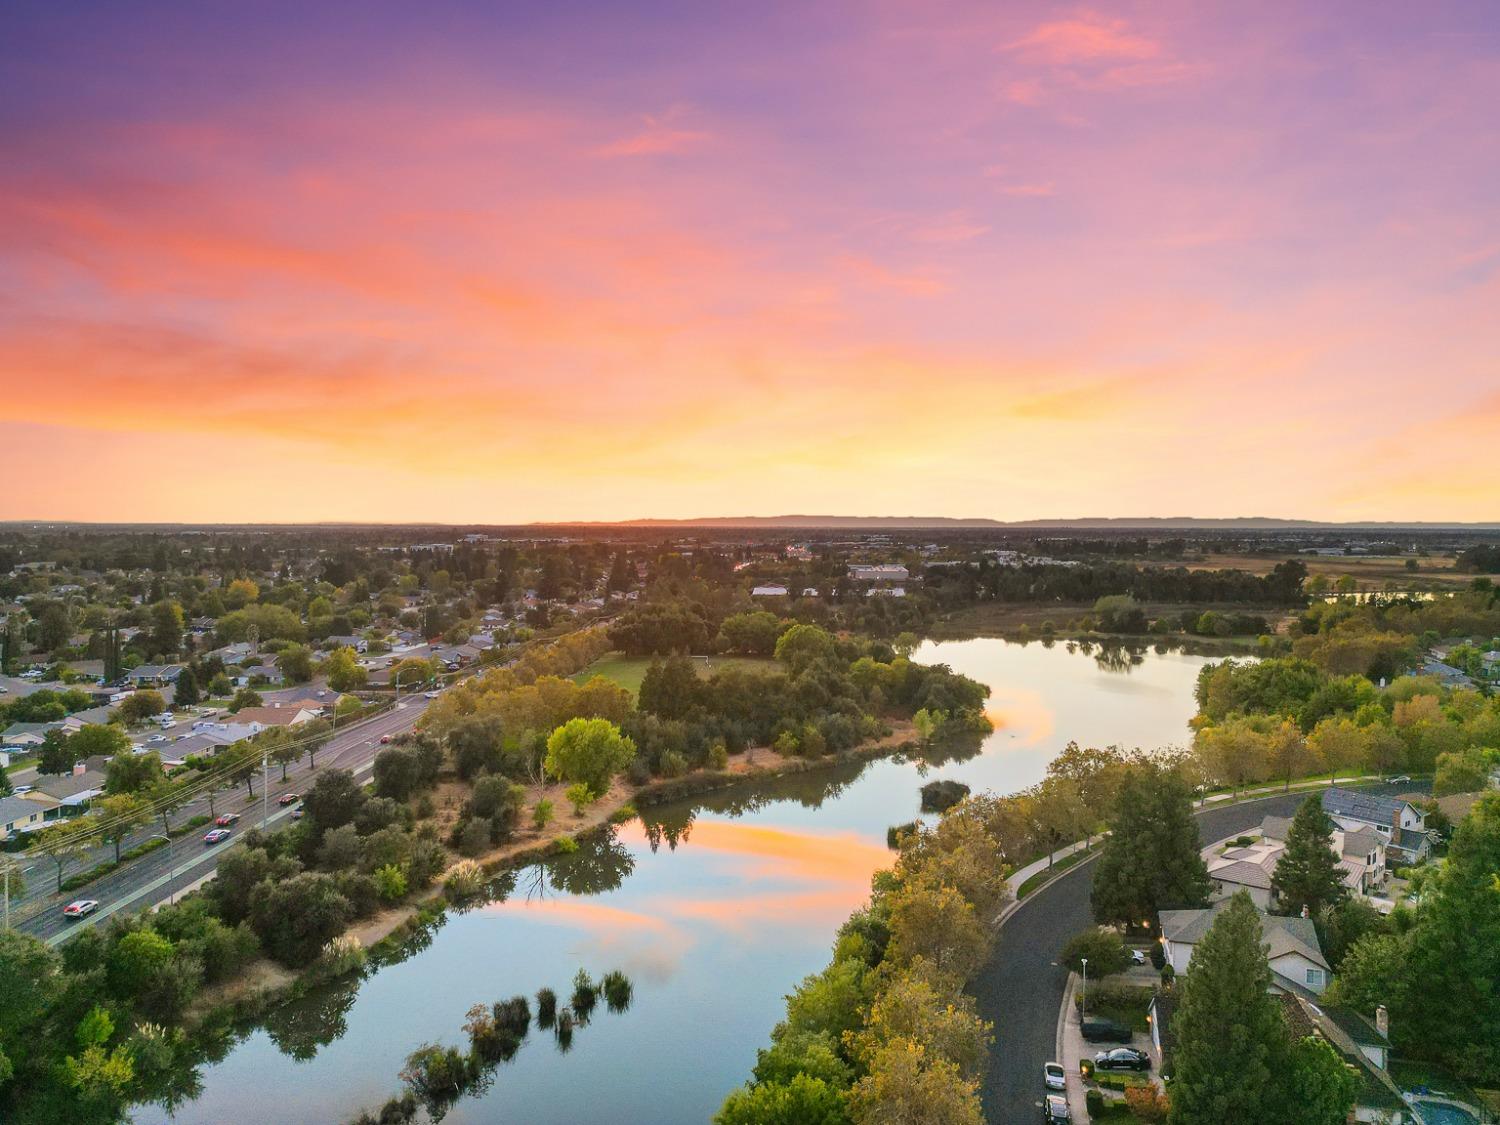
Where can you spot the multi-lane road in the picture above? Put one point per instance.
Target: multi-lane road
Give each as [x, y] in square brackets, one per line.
[1020, 990]
[187, 861]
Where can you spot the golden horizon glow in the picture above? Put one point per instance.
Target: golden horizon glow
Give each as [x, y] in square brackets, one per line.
[1046, 261]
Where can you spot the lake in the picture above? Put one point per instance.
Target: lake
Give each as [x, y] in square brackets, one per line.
[714, 914]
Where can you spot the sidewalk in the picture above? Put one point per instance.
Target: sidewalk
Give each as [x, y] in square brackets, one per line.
[1070, 1051]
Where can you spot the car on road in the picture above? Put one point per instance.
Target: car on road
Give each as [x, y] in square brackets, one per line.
[1399, 779]
[432, 694]
[216, 836]
[158, 738]
[289, 798]
[80, 909]
[1055, 1109]
[385, 739]
[297, 812]
[1053, 1076]
[227, 820]
[1097, 1029]
[1122, 1058]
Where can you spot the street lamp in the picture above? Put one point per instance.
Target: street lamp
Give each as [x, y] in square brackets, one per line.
[172, 878]
[1085, 1006]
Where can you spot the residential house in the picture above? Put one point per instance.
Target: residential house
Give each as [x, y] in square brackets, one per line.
[346, 640]
[17, 815]
[70, 790]
[26, 736]
[89, 717]
[290, 715]
[1364, 1047]
[260, 674]
[154, 675]
[1297, 961]
[1361, 853]
[768, 592]
[234, 653]
[1400, 823]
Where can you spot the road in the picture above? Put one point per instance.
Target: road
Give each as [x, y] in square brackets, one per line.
[1020, 990]
[153, 878]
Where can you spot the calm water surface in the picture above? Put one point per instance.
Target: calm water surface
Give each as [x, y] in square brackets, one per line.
[715, 913]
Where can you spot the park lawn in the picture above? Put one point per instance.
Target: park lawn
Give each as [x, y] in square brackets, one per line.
[629, 671]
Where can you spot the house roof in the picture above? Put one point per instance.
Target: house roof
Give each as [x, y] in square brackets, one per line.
[71, 784]
[1281, 935]
[13, 809]
[1243, 872]
[283, 716]
[154, 672]
[1305, 1018]
[1408, 840]
[1375, 808]
[1275, 827]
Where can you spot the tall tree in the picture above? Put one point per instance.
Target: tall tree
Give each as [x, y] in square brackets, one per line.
[1307, 875]
[1232, 1043]
[1151, 859]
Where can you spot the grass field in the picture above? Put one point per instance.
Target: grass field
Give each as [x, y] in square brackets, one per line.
[1372, 572]
[628, 671]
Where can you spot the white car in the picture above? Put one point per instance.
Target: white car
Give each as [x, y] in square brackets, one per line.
[158, 738]
[80, 909]
[1137, 956]
[1053, 1076]
[432, 694]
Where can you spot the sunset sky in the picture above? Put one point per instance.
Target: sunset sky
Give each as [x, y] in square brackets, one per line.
[490, 262]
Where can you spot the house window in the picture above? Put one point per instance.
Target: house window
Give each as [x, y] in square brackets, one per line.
[1315, 977]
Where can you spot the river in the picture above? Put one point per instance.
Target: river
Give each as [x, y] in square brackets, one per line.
[714, 914]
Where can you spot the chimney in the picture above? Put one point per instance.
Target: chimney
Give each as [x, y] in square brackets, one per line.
[1383, 1021]
[79, 768]
[1396, 819]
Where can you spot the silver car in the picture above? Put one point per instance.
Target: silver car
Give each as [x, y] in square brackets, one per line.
[1053, 1076]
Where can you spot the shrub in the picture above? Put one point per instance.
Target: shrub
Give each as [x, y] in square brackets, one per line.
[623, 814]
[546, 1008]
[342, 955]
[465, 880]
[1147, 1103]
[542, 815]
[617, 990]
[390, 881]
[566, 845]
[585, 994]
[1104, 949]
[940, 796]
[580, 796]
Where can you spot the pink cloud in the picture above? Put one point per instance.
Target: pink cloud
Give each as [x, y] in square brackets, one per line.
[1085, 38]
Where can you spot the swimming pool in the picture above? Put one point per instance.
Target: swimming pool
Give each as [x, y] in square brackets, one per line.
[1444, 1113]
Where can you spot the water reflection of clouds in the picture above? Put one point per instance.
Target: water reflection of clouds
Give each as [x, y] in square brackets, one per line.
[1022, 715]
[798, 880]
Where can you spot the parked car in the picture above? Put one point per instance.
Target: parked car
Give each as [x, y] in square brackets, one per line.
[297, 813]
[1122, 1058]
[1055, 1110]
[1053, 1077]
[80, 909]
[217, 835]
[1097, 1029]
[432, 694]
[1399, 779]
[227, 819]
[289, 798]
[1137, 956]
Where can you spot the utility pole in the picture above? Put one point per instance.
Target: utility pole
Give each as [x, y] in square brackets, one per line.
[265, 781]
[7, 896]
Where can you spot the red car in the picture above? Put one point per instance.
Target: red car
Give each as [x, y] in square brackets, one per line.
[289, 799]
[384, 738]
[227, 819]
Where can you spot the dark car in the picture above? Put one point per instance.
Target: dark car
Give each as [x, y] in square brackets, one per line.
[1122, 1058]
[1055, 1110]
[289, 799]
[1097, 1029]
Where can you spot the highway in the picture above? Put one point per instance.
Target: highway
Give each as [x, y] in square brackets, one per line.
[154, 878]
[1020, 990]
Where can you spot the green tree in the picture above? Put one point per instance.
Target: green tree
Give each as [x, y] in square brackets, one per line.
[412, 672]
[104, 740]
[343, 670]
[1464, 772]
[908, 1083]
[56, 755]
[185, 690]
[245, 697]
[167, 623]
[541, 815]
[590, 751]
[801, 1100]
[670, 689]
[295, 663]
[1151, 859]
[1104, 949]
[139, 706]
[1308, 875]
[62, 841]
[803, 645]
[120, 815]
[137, 961]
[1231, 1039]
[1322, 1088]
[580, 796]
[134, 773]
[295, 918]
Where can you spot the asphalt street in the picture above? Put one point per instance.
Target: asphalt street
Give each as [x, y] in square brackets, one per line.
[1020, 990]
[153, 878]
